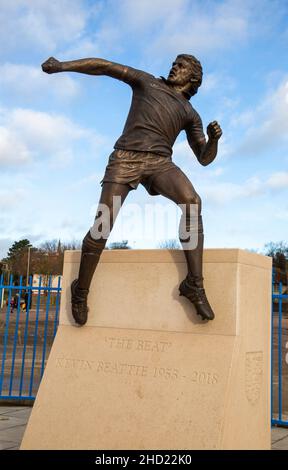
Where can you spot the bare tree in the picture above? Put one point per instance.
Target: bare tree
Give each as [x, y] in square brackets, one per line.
[45, 260]
[169, 244]
[279, 252]
[123, 245]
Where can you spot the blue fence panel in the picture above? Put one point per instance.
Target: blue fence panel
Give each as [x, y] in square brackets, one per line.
[28, 324]
[279, 356]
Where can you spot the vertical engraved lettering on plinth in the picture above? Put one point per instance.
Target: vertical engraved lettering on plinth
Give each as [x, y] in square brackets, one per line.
[253, 375]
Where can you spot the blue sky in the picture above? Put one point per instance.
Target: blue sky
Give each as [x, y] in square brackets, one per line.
[57, 131]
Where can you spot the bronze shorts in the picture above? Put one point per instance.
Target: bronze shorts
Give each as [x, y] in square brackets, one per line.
[132, 167]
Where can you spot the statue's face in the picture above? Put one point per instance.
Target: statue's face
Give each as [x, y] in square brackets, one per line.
[180, 73]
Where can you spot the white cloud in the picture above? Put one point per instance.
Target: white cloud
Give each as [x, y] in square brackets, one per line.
[30, 82]
[159, 26]
[41, 24]
[106, 40]
[200, 26]
[199, 35]
[12, 151]
[206, 179]
[147, 13]
[5, 244]
[50, 130]
[83, 182]
[11, 197]
[216, 172]
[85, 47]
[278, 180]
[222, 193]
[211, 81]
[271, 118]
[26, 135]
[282, 214]
[182, 150]
[244, 119]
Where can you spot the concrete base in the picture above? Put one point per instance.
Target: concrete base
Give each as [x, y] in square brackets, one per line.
[146, 372]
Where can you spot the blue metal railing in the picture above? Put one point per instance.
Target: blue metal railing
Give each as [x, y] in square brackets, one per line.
[279, 360]
[28, 324]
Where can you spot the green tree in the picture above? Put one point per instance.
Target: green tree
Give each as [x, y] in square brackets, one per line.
[17, 258]
[45, 260]
[18, 248]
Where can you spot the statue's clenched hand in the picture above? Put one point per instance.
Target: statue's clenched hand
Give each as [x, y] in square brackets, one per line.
[51, 65]
[214, 131]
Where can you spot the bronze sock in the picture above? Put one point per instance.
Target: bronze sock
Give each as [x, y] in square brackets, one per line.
[90, 255]
[194, 256]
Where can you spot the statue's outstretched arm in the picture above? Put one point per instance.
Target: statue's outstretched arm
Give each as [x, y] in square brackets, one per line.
[91, 66]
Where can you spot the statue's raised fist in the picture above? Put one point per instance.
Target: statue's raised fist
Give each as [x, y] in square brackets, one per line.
[51, 65]
[214, 131]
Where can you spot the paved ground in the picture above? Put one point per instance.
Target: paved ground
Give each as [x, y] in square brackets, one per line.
[13, 420]
[279, 438]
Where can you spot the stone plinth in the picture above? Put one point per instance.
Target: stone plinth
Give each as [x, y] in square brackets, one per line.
[145, 372]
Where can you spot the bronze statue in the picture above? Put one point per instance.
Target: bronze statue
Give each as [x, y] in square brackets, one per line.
[160, 109]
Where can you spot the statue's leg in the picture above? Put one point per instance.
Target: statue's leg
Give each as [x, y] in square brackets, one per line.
[93, 244]
[175, 185]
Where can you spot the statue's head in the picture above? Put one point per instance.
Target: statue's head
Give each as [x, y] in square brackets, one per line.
[186, 72]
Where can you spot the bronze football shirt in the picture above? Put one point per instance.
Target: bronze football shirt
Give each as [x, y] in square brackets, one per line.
[157, 114]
